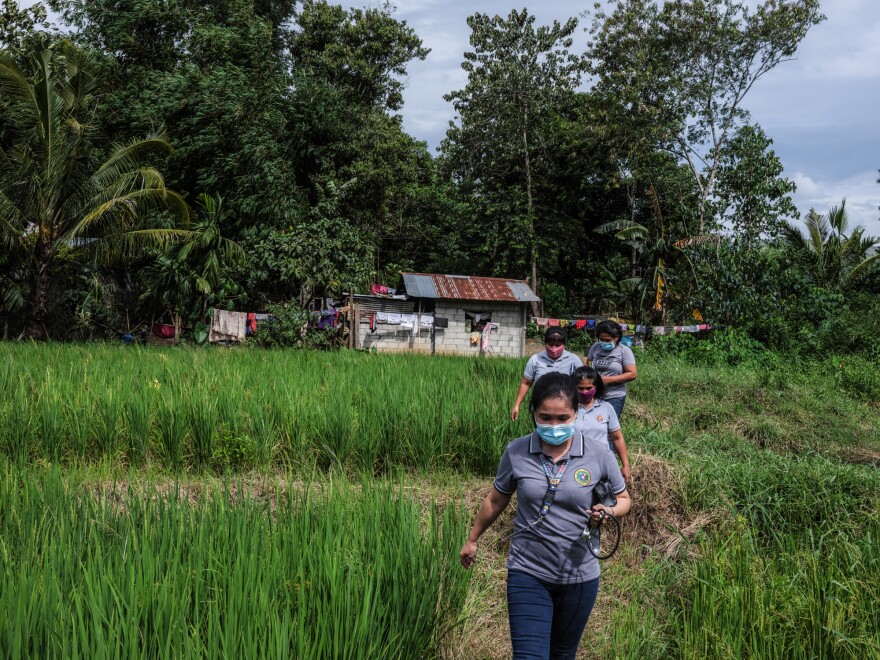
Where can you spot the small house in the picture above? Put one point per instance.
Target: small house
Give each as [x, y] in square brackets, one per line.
[446, 314]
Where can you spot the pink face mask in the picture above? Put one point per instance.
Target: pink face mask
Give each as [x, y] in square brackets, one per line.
[587, 396]
[555, 352]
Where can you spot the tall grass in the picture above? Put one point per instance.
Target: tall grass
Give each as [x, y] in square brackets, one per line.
[788, 452]
[347, 572]
[821, 600]
[217, 409]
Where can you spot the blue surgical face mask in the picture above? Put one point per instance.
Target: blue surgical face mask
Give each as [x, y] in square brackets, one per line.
[606, 345]
[554, 434]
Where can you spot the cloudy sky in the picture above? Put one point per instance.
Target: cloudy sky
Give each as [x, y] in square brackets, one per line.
[821, 110]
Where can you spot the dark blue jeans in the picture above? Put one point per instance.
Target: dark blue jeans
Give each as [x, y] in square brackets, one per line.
[547, 620]
[617, 404]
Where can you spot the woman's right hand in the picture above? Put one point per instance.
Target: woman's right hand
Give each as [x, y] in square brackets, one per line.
[514, 413]
[468, 554]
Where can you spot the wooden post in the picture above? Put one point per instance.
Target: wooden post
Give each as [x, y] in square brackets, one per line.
[356, 325]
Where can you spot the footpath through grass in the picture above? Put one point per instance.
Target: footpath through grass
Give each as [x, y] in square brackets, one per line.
[755, 530]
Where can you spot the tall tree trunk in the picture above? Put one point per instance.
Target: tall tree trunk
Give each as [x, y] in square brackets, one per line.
[35, 326]
[537, 308]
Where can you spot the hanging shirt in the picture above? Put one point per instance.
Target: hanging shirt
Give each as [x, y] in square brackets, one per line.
[597, 422]
[552, 550]
[540, 364]
[611, 363]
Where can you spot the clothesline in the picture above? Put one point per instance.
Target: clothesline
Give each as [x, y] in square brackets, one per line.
[631, 328]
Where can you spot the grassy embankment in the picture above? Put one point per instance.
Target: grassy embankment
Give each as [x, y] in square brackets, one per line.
[755, 531]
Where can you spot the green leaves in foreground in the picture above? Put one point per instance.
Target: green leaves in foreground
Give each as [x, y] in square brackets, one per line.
[343, 573]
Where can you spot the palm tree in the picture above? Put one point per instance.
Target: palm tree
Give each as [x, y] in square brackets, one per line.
[60, 193]
[838, 257]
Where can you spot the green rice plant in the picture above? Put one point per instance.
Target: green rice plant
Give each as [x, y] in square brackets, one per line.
[138, 418]
[19, 433]
[818, 601]
[108, 420]
[51, 418]
[342, 573]
[78, 408]
[202, 430]
[172, 433]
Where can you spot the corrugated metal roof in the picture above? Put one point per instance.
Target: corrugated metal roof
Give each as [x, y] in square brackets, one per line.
[419, 286]
[464, 287]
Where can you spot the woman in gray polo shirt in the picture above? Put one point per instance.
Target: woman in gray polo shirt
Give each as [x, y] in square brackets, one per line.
[597, 419]
[614, 362]
[552, 579]
[554, 357]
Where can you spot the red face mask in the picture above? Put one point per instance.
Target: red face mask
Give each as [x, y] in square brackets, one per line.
[587, 396]
[555, 352]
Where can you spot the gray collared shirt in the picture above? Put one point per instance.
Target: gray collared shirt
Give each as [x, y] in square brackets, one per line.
[540, 364]
[597, 422]
[611, 363]
[551, 550]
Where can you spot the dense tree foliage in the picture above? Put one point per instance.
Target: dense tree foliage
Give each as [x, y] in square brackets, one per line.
[629, 179]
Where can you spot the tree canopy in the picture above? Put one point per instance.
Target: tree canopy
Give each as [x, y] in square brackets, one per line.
[629, 179]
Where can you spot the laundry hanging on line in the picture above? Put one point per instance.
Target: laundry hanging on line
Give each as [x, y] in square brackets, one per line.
[487, 331]
[227, 326]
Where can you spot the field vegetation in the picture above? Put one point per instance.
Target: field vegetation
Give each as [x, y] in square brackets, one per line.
[167, 495]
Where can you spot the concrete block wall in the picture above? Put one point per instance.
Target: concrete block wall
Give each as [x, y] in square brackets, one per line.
[393, 338]
[508, 339]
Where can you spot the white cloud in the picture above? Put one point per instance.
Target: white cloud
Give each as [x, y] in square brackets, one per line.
[861, 192]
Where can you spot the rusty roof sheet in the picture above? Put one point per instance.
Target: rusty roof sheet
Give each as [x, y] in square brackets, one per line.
[465, 287]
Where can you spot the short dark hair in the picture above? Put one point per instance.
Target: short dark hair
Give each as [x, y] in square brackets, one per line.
[588, 373]
[609, 328]
[554, 385]
[554, 332]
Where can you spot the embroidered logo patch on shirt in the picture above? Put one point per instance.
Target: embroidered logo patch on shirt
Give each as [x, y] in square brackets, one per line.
[582, 476]
[600, 419]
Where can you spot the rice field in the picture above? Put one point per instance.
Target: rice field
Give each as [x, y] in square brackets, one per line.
[240, 410]
[237, 503]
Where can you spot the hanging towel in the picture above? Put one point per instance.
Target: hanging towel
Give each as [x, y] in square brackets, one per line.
[475, 338]
[393, 319]
[373, 322]
[704, 326]
[426, 321]
[379, 290]
[227, 326]
[678, 328]
[487, 330]
[541, 321]
[553, 322]
[659, 330]
[382, 317]
[591, 323]
[563, 323]
[640, 329]
[581, 324]
[407, 321]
